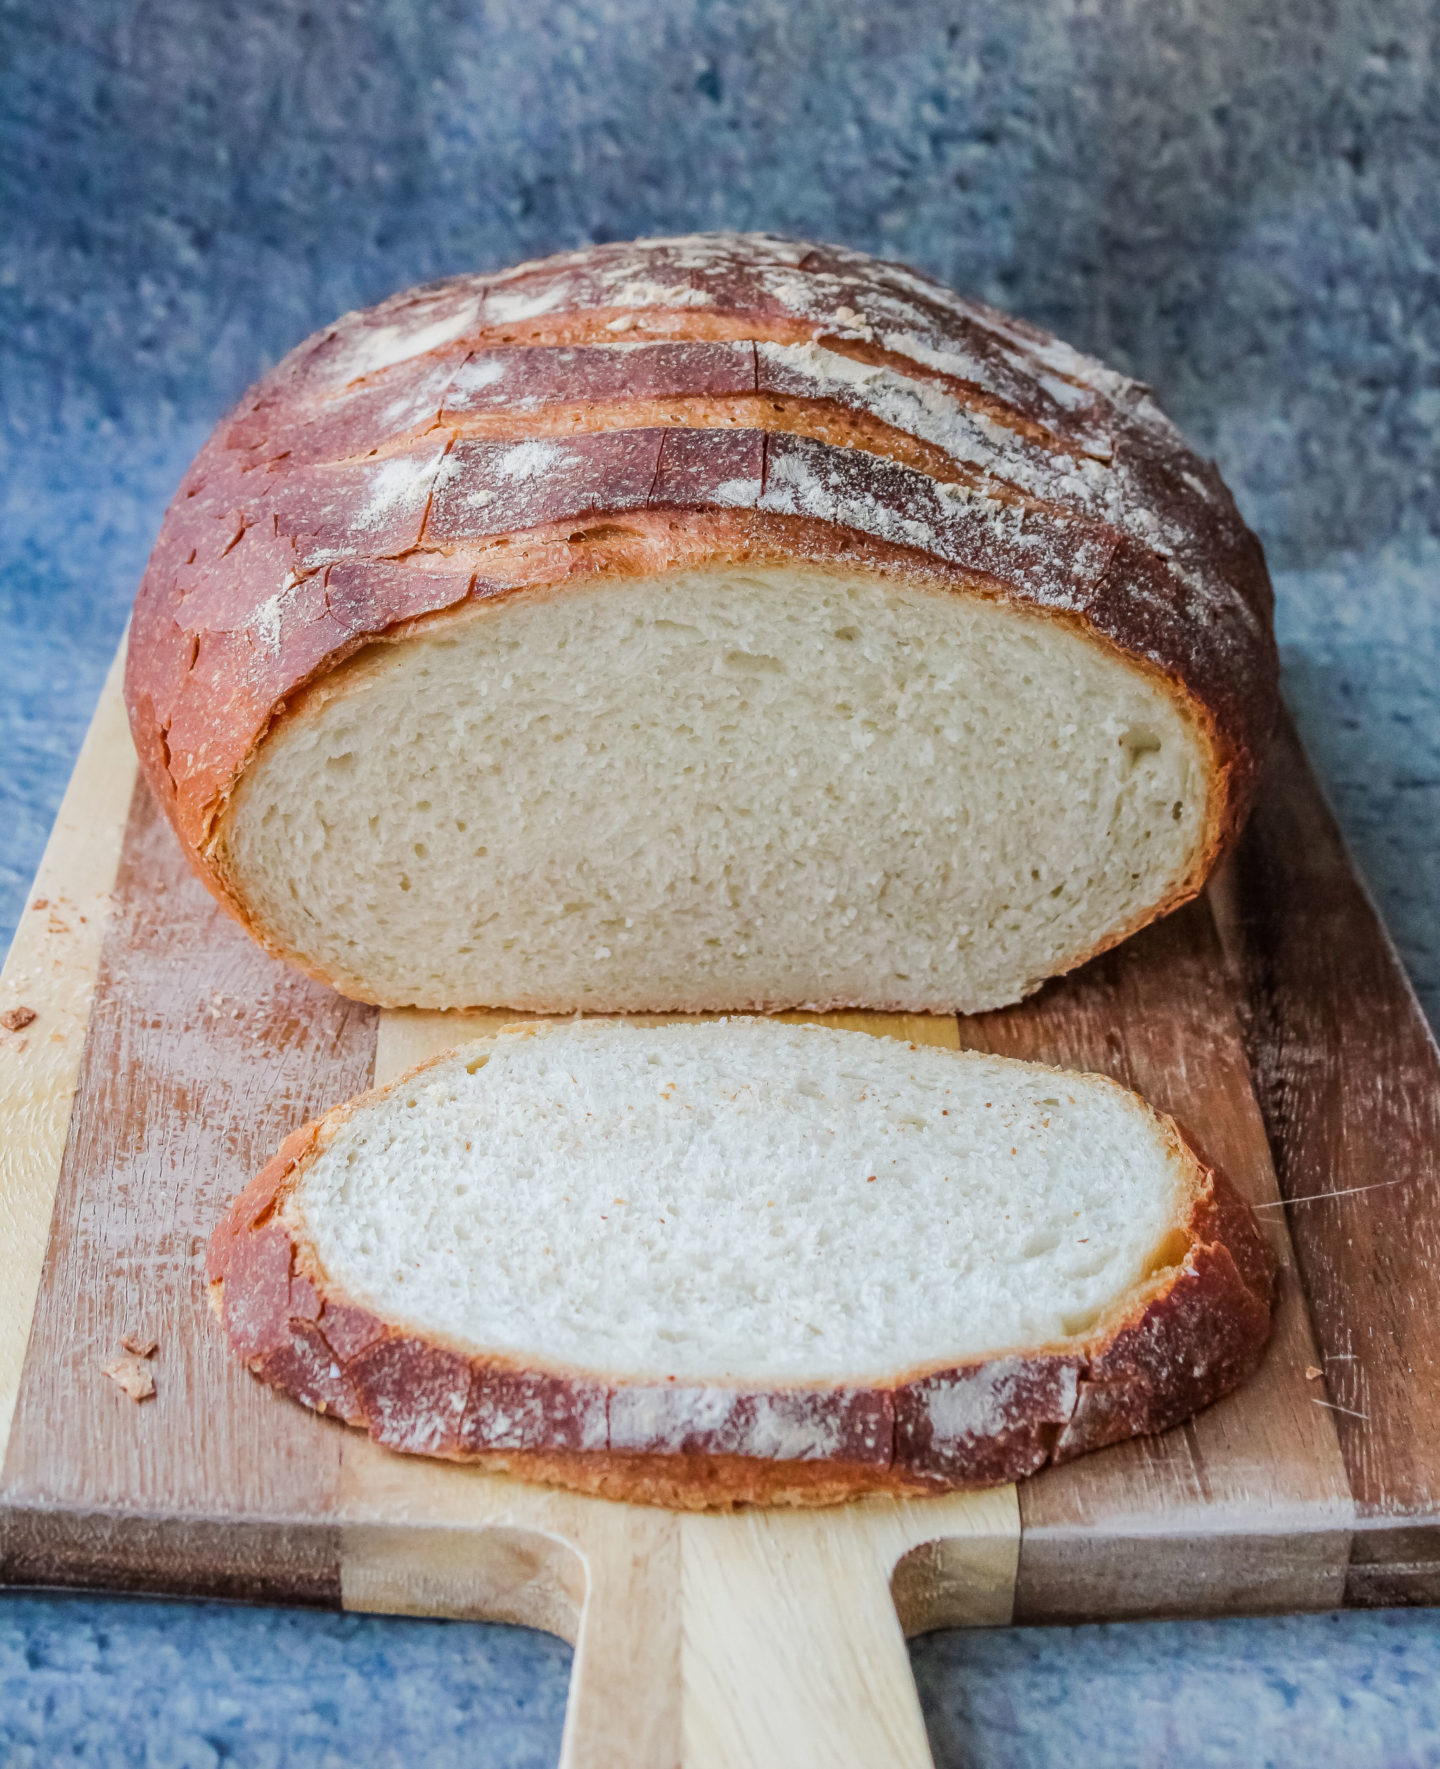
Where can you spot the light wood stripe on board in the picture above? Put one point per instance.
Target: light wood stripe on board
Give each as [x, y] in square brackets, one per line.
[51, 969]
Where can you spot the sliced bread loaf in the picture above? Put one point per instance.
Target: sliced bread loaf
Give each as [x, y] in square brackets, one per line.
[705, 624]
[743, 1261]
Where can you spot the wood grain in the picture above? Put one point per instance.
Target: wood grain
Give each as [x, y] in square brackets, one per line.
[1349, 1080]
[51, 969]
[793, 1624]
[202, 1054]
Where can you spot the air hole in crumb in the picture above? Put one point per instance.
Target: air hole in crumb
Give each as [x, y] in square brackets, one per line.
[753, 663]
[1139, 740]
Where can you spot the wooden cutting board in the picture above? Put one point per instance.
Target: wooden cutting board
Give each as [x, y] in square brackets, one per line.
[169, 1056]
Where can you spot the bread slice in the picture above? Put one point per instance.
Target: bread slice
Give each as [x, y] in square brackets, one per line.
[709, 624]
[743, 1261]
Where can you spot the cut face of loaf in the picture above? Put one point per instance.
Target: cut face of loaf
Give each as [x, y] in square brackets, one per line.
[714, 623]
[739, 789]
[708, 1263]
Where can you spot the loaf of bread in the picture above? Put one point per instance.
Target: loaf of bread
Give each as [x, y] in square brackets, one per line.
[743, 1261]
[709, 623]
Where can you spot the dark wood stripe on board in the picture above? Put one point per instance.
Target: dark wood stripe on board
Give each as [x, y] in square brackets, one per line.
[1349, 1080]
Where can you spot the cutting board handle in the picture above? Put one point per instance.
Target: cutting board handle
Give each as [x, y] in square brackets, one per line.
[758, 1641]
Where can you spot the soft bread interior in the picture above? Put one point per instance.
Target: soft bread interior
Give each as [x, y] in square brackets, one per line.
[724, 789]
[742, 1200]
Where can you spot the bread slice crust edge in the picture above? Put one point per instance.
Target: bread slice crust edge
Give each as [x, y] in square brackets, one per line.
[1188, 1334]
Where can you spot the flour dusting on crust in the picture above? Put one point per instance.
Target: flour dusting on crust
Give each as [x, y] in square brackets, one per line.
[730, 395]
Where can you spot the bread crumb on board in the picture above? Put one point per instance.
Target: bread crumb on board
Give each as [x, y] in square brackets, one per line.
[1313, 1372]
[16, 1019]
[132, 1374]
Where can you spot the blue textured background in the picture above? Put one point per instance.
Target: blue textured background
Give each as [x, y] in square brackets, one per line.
[1237, 200]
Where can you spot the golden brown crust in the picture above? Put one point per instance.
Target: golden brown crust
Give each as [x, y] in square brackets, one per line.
[685, 404]
[703, 1483]
[1194, 1332]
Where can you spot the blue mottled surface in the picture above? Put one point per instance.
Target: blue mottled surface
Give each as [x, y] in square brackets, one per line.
[189, 1686]
[115, 1682]
[1237, 200]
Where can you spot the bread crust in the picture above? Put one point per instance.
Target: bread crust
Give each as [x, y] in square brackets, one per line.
[662, 406]
[1190, 1333]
